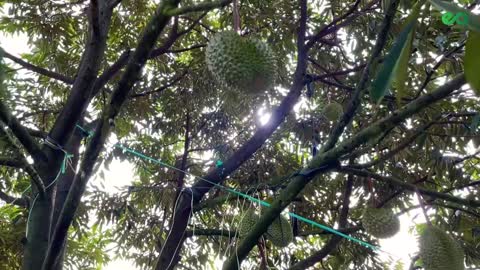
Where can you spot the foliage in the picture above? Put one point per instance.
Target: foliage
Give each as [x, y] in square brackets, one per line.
[176, 113]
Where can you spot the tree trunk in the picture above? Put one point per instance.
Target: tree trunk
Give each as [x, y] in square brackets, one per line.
[63, 186]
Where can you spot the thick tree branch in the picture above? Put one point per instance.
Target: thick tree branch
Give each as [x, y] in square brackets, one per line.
[83, 85]
[171, 248]
[199, 7]
[21, 133]
[335, 239]
[151, 33]
[326, 160]
[421, 130]
[11, 162]
[39, 70]
[12, 200]
[354, 103]
[397, 182]
[36, 180]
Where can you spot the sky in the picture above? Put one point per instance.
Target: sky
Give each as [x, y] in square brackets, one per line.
[401, 247]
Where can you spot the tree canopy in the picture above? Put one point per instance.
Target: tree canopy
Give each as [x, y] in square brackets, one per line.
[374, 105]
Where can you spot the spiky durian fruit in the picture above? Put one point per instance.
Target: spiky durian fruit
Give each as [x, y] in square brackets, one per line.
[380, 222]
[333, 111]
[246, 64]
[247, 222]
[439, 251]
[280, 232]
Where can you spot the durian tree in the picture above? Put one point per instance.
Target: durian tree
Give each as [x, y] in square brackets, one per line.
[347, 113]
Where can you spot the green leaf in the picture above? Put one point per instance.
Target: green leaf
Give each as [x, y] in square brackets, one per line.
[402, 65]
[472, 61]
[473, 22]
[385, 75]
[475, 122]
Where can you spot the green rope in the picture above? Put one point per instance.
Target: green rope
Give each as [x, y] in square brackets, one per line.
[311, 222]
[90, 133]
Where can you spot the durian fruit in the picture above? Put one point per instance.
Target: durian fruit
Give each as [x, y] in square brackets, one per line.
[246, 64]
[247, 221]
[439, 251]
[333, 111]
[380, 222]
[280, 233]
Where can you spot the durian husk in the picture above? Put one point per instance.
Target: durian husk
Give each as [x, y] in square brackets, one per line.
[333, 111]
[247, 221]
[380, 222]
[280, 232]
[244, 64]
[439, 251]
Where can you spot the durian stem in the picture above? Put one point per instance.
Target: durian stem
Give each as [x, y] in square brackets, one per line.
[370, 188]
[236, 17]
[263, 256]
[422, 205]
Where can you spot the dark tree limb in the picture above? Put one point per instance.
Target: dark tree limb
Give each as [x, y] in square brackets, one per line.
[405, 143]
[397, 182]
[11, 162]
[168, 255]
[83, 86]
[151, 33]
[327, 160]
[163, 87]
[199, 7]
[38, 69]
[354, 103]
[40, 218]
[36, 179]
[21, 133]
[110, 72]
[335, 239]
[12, 200]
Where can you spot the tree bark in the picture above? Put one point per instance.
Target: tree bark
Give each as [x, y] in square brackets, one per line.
[42, 211]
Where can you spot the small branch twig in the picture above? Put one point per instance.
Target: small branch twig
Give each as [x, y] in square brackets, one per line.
[38, 69]
[196, 8]
[354, 103]
[11, 200]
[422, 205]
[397, 182]
[36, 179]
[21, 133]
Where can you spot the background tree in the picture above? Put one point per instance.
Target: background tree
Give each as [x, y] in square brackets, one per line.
[133, 72]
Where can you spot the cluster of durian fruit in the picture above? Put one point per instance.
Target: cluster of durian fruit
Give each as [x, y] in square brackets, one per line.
[438, 250]
[248, 65]
[280, 232]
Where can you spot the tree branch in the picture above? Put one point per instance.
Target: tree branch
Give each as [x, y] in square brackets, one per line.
[397, 182]
[21, 133]
[151, 33]
[335, 239]
[36, 180]
[199, 7]
[10, 162]
[38, 69]
[421, 130]
[171, 248]
[12, 200]
[354, 103]
[162, 88]
[110, 72]
[329, 159]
